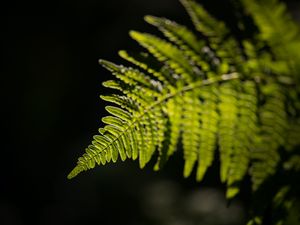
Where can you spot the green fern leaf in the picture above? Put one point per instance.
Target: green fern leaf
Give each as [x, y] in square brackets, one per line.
[209, 92]
[204, 22]
[273, 130]
[191, 130]
[246, 130]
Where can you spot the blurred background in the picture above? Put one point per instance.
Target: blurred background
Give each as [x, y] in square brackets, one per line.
[51, 82]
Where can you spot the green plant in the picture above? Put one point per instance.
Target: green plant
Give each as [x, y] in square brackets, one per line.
[211, 91]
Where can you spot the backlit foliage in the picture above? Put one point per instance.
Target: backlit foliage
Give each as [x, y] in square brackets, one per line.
[210, 91]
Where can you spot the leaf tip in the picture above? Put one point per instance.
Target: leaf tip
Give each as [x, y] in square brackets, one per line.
[74, 173]
[122, 53]
[232, 192]
[151, 19]
[108, 65]
[135, 35]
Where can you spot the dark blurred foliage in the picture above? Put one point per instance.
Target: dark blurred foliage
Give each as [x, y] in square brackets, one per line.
[51, 81]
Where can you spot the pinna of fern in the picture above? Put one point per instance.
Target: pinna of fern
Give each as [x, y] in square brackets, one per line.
[209, 90]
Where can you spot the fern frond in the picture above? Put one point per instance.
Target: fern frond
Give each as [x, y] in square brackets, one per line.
[245, 131]
[272, 134]
[209, 129]
[166, 53]
[279, 31]
[143, 62]
[110, 144]
[204, 22]
[271, 17]
[191, 129]
[226, 48]
[209, 92]
[183, 38]
[174, 109]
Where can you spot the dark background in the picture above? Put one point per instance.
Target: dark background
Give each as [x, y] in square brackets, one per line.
[51, 82]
